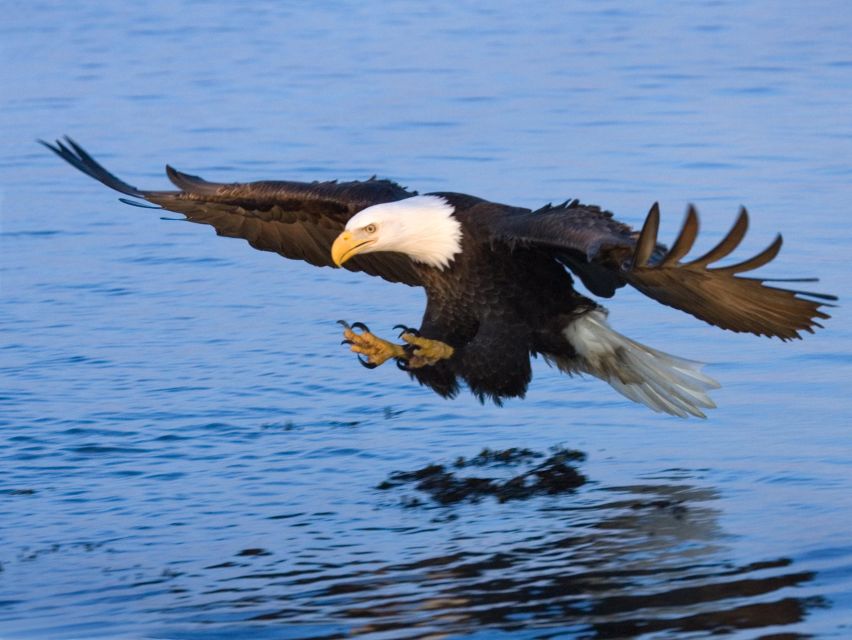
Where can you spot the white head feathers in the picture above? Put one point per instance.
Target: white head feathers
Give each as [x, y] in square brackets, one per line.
[422, 227]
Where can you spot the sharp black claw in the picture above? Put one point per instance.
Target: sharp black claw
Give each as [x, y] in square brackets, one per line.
[405, 330]
[402, 364]
[346, 342]
[366, 364]
[361, 326]
[344, 323]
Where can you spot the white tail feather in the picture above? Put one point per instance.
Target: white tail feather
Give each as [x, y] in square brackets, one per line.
[658, 380]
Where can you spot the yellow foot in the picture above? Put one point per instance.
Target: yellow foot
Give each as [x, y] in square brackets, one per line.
[365, 343]
[425, 352]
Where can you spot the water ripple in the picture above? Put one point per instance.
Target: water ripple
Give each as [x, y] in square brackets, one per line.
[187, 451]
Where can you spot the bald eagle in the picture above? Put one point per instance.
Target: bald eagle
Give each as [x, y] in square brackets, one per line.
[497, 278]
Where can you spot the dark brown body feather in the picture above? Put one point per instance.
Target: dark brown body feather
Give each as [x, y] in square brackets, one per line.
[507, 295]
[495, 305]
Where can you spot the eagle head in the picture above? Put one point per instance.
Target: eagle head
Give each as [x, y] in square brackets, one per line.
[422, 227]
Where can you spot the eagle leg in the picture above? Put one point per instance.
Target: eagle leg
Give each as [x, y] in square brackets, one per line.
[376, 350]
[423, 352]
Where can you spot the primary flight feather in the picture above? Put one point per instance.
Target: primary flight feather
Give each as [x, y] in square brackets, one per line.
[497, 278]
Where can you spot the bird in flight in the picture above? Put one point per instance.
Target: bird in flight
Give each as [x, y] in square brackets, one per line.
[498, 278]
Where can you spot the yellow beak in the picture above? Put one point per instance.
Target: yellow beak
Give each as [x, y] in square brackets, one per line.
[347, 245]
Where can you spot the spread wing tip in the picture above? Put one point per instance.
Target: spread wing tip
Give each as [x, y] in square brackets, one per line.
[718, 295]
[78, 158]
[141, 205]
[647, 241]
[189, 182]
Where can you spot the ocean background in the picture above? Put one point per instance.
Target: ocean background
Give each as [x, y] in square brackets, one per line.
[187, 452]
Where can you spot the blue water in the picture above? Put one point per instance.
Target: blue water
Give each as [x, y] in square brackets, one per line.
[187, 452]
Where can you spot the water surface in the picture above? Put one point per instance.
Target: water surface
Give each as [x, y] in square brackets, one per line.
[187, 451]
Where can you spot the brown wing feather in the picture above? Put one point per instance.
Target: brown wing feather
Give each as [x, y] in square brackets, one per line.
[718, 295]
[297, 220]
[607, 254]
[685, 239]
[648, 237]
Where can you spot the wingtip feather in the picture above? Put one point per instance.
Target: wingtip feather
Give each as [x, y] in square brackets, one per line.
[685, 239]
[718, 296]
[647, 241]
[189, 182]
[78, 158]
[727, 244]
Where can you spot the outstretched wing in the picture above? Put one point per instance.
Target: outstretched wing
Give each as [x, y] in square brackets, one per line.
[298, 220]
[585, 238]
[607, 254]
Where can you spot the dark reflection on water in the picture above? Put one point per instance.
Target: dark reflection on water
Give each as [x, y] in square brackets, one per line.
[644, 560]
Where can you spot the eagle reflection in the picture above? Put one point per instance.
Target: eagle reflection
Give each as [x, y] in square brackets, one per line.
[639, 560]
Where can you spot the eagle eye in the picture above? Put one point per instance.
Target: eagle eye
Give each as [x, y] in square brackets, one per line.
[370, 228]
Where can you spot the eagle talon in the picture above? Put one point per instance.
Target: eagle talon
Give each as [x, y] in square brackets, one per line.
[402, 364]
[367, 364]
[408, 330]
[374, 350]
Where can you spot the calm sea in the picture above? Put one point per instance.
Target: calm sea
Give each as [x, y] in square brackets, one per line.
[187, 452]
